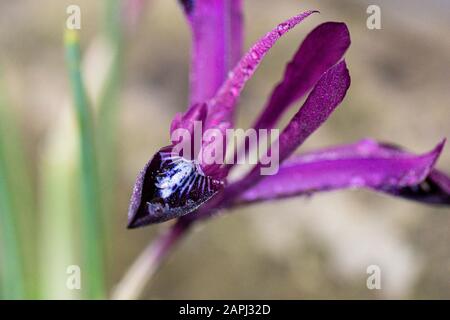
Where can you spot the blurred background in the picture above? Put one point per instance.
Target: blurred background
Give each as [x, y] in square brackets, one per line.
[303, 248]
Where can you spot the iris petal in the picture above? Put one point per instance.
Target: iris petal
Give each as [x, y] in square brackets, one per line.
[169, 187]
[327, 94]
[365, 164]
[223, 104]
[321, 49]
[216, 43]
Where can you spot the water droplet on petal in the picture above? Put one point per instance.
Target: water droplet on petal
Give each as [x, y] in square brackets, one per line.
[282, 28]
[254, 55]
[234, 91]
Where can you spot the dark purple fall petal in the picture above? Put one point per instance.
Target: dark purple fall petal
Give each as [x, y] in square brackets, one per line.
[320, 50]
[435, 189]
[216, 46]
[365, 164]
[168, 187]
[221, 107]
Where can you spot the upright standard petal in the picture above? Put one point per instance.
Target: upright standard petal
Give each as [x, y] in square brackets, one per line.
[365, 164]
[320, 50]
[223, 104]
[217, 43]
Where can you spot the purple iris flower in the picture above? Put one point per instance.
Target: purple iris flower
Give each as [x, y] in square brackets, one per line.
[178, 187]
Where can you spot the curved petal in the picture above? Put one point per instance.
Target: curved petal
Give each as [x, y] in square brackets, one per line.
[223, 104]
[329, 91]
[321, 102]
[365, 164]
[221, 107]
[217, 43]
[321, 49]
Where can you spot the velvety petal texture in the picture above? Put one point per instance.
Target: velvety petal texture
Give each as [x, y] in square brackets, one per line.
[365, 164]
[222, 106]
[328, 93]
[320, 50]
[323, 48]
[216, 43]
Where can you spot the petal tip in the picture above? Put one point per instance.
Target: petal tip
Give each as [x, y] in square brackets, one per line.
[436, 152]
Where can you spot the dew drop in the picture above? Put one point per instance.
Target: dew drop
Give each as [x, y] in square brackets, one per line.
[282, 28]
[234, 91]
[254, 55]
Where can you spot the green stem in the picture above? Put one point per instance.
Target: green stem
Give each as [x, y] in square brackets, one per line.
[11, 278]
[108, 103]
[92, 237]
[59, 204]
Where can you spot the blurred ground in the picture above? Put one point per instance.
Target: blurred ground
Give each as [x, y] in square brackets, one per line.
[300, 248]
